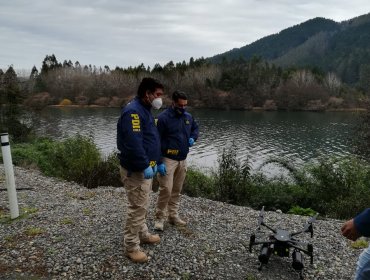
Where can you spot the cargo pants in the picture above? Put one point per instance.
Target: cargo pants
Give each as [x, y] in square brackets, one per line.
[170, 187]
[137, 190]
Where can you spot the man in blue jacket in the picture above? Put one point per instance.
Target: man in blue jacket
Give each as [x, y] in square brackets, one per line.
[139, 151]
[353, 229]
[178, 131]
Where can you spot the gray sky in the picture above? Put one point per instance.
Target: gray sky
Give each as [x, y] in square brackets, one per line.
[123, 33]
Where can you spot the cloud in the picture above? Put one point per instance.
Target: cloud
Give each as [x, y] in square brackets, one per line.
[124, 33]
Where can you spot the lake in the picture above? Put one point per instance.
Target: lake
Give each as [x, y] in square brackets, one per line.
[299, 137]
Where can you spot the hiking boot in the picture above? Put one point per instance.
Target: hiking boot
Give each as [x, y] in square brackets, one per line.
[158, 225]
[151, 239]
[137, 256]
[176, 221]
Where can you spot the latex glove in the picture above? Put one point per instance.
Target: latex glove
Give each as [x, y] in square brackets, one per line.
[191, 142]
[155, 169]
[148, 173]
[162, 169]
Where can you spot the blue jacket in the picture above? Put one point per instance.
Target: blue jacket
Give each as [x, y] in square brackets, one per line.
[362, 223]
[137, 137]
[175, 131]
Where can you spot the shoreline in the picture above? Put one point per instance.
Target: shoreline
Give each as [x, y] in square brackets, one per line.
[70, 232]
[254, 109]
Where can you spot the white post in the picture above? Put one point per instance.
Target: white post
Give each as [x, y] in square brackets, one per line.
[9, 175]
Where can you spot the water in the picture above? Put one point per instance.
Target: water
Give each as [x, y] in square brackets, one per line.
[298, 137]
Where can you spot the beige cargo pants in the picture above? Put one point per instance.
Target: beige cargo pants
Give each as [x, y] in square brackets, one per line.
[170, 187]
[137, 190]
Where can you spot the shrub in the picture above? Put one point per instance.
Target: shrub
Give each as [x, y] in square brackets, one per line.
[339, 187]
[75, 159]
[198, 185]
[65, 102]
[232, 179]
[105, 173]
[302, 211]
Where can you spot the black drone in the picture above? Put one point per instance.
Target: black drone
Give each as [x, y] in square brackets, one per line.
[281, 241]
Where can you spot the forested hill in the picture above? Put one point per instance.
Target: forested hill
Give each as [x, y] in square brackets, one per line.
[343, 48]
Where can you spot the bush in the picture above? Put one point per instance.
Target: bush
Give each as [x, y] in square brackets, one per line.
[338, 187]
[232, 179]
[361, 142]
[65, 102]
[105, 173]
[75, 159]
[302, 211]
[275, 194]
[35, 154]
[198, 185]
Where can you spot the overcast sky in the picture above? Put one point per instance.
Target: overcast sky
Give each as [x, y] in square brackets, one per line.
[123, 33]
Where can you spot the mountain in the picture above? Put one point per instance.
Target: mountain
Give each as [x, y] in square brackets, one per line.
[343, 48]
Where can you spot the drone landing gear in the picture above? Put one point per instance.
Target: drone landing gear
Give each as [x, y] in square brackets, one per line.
[260, 267]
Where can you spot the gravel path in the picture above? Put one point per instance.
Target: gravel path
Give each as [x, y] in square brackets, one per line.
[69, 232]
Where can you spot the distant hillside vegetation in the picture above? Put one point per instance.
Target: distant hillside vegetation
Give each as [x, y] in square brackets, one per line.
[342, 48]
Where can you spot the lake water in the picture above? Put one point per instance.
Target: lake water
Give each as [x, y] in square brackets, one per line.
[299, 137]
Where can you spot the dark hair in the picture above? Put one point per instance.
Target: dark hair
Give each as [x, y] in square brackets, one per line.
[179, 95]
[148, 84]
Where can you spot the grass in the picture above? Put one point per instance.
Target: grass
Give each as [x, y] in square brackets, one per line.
[33, 231]
[360, 244]
[24, 213]
[66, 221]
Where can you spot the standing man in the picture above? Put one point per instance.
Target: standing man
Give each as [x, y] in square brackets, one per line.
[178, 131]
[139, 151]
[353, 229]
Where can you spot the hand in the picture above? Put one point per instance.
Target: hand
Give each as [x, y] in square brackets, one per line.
[154, 170]
[148, 173]
[162, 169]
[191, 142]
[349, 230]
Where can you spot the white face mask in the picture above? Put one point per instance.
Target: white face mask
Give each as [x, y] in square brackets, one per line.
[157, 103]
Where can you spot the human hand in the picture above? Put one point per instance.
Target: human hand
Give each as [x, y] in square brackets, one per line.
[155, 169]
[191, 142]
[148, 173]
[349, 230]
[162, 169]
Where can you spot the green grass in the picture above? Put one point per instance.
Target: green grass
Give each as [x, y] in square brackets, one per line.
[33, 231]
[360, 244]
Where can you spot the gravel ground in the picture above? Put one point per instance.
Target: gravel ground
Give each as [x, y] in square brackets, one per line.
[69, 232]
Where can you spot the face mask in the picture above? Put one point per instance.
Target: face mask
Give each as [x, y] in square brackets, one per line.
[157, 103]
[179, 110]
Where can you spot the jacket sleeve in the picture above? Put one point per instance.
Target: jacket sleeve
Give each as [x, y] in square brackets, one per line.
[194, 130]
[161, 126]
[131, 126]
[362, 223]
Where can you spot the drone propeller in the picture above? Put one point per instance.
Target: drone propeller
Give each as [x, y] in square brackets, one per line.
[308, 227]
[261, 222]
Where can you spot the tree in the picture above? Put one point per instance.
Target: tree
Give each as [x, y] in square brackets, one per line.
[11, 113]
[50, 62]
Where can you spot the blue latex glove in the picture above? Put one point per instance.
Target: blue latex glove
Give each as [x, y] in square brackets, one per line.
[191, 142]
[154, 170]
[162, 169]
[148, 173]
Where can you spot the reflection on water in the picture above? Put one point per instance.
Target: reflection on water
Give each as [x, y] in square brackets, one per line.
[296, 136]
